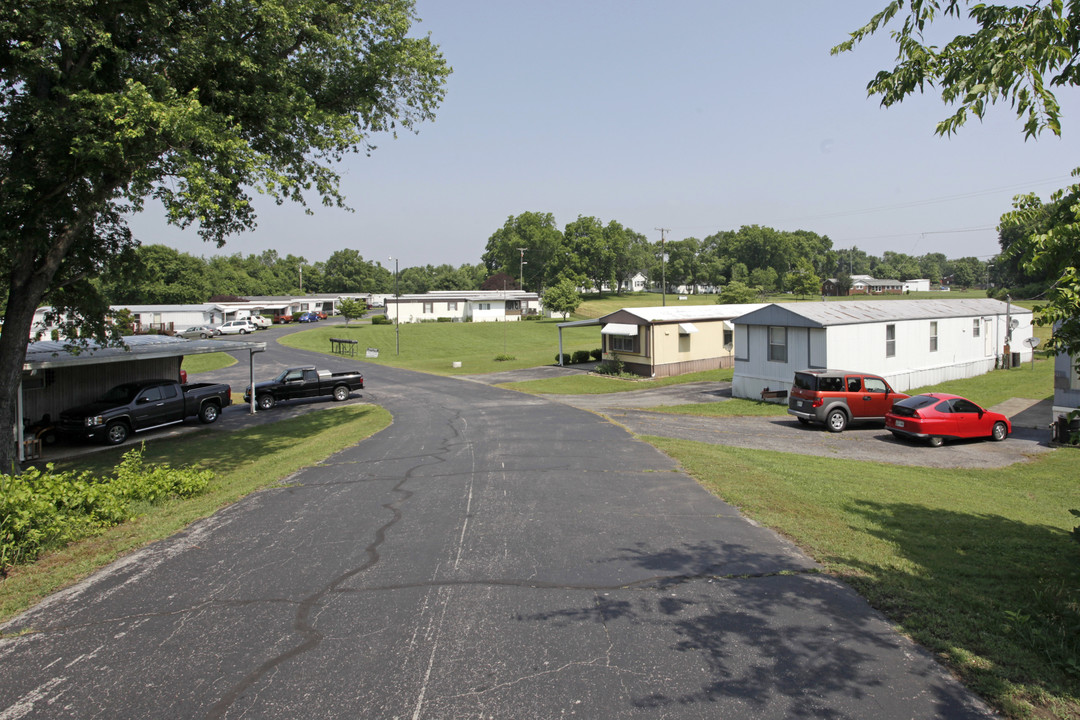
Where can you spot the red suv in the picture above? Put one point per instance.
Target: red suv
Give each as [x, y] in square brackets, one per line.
[837, 397]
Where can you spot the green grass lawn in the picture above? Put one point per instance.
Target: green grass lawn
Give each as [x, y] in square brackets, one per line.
[434, 347]
[206, 362]
[976, 565]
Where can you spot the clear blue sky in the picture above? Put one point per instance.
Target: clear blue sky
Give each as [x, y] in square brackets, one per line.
[697, 116]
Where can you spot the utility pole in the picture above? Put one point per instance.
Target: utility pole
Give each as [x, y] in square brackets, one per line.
[397, 310]
[521, 271]
[663, 264]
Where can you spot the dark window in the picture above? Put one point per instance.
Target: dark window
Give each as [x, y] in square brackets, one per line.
[854, 384]
[831, 384]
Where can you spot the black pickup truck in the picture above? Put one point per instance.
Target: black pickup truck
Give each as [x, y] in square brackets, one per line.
[143, 405]
[304, 382]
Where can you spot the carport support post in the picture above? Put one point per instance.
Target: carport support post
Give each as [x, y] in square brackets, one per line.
[251, 375]
[560, 347]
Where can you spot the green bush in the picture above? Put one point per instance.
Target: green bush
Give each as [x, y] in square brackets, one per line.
[610, 367]
[444, 319]
[563, 359]
[381, 320]
[40, 510]
[504, 358]
[597, 353]
[581, 356]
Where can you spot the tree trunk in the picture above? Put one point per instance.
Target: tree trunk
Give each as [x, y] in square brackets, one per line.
[28, 281]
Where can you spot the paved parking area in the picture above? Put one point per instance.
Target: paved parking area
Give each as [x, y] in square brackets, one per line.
[866, 442]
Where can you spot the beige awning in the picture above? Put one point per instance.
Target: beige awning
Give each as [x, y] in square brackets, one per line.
[687, 328]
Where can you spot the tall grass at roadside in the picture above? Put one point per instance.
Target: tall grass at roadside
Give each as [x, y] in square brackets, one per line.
[976, 565]
[243, 461]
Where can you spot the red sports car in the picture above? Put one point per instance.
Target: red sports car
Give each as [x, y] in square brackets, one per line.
[937, 417]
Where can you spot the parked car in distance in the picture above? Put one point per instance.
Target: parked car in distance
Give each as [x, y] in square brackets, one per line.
[307, 317]
[304, 382]
[143, 405]
[321, 315]
[839, 397]
[937, 417]
[236, 327]
[283, 319]
[198, 331]
[260, 321]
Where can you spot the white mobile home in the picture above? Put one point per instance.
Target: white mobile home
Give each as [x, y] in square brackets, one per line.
[909, 342]
[463, 306]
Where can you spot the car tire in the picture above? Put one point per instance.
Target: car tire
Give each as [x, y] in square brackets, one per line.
[836, 421]
[203, 335]
[341, 393]
[803, 421]
[243, 331]
[1000, 432]
[209, 413]
[265, 402]
[116, 432]
[936, 441]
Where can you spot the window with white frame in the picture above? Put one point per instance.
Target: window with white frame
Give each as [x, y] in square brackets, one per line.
[622, 343]
[975, 328]
[933, 336]
[452, 305]
[429, 307]
[890, 341]
[483, 306]
[777, 344]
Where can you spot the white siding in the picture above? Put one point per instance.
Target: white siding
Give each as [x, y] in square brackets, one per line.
[861, 347]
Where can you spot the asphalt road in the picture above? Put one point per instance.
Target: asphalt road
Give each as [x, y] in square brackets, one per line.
[489, 555]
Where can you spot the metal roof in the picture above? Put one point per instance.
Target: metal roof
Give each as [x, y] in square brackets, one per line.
[684, 313]
[824, 314]
[51, 353]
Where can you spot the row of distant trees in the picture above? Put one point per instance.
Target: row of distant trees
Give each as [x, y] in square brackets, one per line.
[587, 253]
[594, 254]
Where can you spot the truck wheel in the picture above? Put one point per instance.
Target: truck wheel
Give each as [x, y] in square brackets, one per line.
[116, 432]
[341, 393]
[209, 413]
[265, 401]
[836, 421]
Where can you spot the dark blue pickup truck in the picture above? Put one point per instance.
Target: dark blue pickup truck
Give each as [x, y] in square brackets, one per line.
[143, 405]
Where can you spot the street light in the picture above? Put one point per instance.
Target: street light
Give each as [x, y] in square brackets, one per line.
[397, 309]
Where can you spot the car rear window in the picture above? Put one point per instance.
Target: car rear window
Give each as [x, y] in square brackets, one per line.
[916, 402]
[805, 381]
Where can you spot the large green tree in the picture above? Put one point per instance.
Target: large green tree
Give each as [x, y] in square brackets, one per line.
[1012, 54]
[195, 103]
[537, 233]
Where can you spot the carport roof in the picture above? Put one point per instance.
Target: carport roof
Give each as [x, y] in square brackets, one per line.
[52, 354]
[825, 314]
